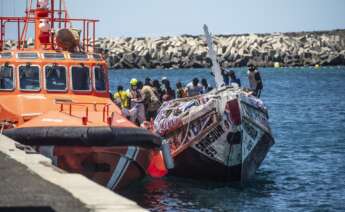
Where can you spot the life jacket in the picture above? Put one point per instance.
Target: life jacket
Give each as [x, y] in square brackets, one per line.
[123, 96]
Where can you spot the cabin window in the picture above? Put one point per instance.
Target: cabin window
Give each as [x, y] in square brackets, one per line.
[100, 79]
[80, 78]
[54, 56]
[6, 55]
[6, 77]
[97, 57]
[55, 78]
[78, 56]
[27, 55]
[29, 77]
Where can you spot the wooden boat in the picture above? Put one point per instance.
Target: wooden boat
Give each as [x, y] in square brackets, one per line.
[223, 135]
[55, 97]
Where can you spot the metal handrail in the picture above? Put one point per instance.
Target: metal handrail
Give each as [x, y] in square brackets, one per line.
[69, 102]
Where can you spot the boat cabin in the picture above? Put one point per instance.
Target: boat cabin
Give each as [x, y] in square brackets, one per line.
[53, 72]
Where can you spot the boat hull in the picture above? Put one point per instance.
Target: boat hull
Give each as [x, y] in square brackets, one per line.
[191, 163]
[113, 167]
[221, 136]
[113, 157]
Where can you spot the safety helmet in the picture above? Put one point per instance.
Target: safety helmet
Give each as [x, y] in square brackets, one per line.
[134, 82]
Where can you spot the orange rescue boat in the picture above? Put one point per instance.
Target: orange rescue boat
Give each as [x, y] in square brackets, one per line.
[55, 97]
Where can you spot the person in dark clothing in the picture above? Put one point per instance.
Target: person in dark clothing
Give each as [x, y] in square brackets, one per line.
[148, 81]
[230, 78]
[234, 79]
[225, 75]
[140, 85]
[255, 81]
[157, 89]
[205, 87]
[194, 88]
[168, 92]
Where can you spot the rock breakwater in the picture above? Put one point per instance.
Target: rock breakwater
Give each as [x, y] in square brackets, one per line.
[187, 51]
[287, 49]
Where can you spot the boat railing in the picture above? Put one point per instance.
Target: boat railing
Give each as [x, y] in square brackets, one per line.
[56, 19]
[105, 109]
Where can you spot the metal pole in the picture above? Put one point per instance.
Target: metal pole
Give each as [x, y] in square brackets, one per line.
[52, 24]
[1, 35]
[18, 25]
[94, 35]
[60, 13]
[83, 34]
[87, 36]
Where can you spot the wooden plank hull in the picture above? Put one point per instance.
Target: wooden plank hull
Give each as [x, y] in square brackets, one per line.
[193, 164]
[222, 136]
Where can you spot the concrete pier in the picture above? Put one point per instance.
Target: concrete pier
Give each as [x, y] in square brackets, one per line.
[29, 182]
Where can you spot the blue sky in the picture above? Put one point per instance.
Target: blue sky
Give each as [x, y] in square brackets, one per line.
[175, 17]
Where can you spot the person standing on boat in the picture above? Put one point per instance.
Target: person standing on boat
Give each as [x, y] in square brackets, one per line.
[180, 91]
[157, 89]
[194, 88]
[255, 81]
[230, 78]
[168, 92]
[137, 109]
[151, 101]
[121, 98]
[205, 87]
[234, 81]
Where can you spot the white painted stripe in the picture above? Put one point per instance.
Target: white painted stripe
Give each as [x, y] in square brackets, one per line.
[130, 158]
[121, 167]
[35, 96]
[31, 114]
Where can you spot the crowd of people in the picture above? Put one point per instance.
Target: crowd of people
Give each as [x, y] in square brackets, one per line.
[142, 100]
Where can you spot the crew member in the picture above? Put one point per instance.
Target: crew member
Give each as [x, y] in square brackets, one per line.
[121, 98]
[137, 109]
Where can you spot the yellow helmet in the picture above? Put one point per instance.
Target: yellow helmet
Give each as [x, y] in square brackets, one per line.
[133, 82]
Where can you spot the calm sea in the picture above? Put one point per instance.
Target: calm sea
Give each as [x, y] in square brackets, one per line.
[305, 169]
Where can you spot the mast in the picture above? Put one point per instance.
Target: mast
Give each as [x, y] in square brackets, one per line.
[212, 54]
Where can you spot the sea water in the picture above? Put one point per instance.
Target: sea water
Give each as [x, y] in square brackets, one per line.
[303, 171]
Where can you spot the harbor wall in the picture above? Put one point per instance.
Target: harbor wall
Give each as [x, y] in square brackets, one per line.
[188, 51]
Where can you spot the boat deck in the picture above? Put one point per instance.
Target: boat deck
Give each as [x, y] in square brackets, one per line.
[29, 182]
